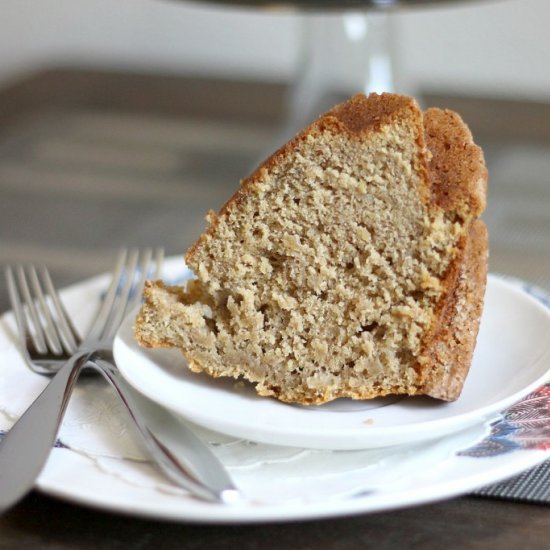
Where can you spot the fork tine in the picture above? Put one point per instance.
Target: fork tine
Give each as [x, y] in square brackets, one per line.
[124, 293]
[119, 307]
[153, 260]
[23, 330]
[101, 319]
[159, 259]
[143, 271]
[37, 336]
[136, 274]
[49, 326]
[69, 336]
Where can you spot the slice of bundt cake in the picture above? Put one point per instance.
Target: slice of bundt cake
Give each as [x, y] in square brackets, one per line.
[351, 263]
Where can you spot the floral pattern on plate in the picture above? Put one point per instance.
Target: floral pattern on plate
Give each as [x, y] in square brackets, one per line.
[525, 425]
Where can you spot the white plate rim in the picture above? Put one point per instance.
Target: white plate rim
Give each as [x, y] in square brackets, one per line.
[190, 510]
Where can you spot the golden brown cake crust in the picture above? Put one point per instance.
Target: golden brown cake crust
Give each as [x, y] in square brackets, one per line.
[450, 344]
[361, 114]
[457, 171]
[458, 181]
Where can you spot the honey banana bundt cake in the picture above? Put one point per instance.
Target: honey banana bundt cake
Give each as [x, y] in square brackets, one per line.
[351, 263]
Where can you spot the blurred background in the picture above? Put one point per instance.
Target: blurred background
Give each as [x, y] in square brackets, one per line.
[490, 47]
[122, 122]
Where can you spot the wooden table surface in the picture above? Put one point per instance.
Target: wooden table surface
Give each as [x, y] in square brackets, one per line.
[91, 161]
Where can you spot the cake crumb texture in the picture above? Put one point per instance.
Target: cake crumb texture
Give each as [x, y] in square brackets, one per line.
[351, 263]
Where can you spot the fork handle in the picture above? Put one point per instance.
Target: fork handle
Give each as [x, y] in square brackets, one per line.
[25, 448]
[179, 453]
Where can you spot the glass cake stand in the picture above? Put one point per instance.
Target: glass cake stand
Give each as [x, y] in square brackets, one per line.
[346, 48]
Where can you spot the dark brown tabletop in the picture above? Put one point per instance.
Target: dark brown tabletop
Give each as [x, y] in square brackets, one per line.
[91, 161]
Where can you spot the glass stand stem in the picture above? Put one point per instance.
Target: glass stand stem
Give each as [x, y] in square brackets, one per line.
[341, 54]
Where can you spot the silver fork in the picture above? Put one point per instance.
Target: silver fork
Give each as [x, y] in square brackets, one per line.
[54, 346]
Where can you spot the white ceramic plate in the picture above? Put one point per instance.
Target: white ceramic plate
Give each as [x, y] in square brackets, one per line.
[512, 357]
[98, 463]
[286, 484]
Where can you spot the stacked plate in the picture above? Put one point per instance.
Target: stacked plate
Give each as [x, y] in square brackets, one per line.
[295, 462]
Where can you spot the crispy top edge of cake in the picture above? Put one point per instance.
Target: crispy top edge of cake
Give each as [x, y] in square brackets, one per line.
[358, 116]
[457, 171]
